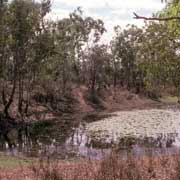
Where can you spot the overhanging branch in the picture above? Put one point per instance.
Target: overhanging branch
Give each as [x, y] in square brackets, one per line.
[156, 18]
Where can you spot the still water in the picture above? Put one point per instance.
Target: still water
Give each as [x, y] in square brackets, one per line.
[66, 139]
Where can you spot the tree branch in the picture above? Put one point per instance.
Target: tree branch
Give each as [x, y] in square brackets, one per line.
[155, 18]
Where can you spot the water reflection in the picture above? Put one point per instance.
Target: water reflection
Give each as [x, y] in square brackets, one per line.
[69, 140]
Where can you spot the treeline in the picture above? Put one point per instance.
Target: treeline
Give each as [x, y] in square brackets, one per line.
[37, 52]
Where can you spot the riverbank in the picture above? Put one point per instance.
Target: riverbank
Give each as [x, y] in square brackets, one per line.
[79, 102]
[86, 111]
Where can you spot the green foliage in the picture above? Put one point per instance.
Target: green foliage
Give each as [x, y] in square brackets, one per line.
[125, 49]
[70, 51]
[158, 54]
[172, 9]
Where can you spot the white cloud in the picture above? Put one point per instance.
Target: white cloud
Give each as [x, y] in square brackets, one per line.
[112, 12]
[156, 4]
[82, 3]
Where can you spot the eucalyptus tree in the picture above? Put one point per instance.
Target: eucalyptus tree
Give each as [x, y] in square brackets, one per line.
[23, 24]
[166, 45]
[158, 56]
[125, 46]
[3, 38]
[116, 59]
[170, 13]
[6, 63]
[72, 36]
[99, 70]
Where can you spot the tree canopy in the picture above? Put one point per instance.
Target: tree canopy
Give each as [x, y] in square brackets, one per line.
[56, 55]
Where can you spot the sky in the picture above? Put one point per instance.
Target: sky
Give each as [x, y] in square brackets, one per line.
[112, 12]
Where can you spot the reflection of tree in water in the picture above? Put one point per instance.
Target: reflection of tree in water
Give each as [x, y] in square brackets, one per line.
[37, 138]
[160, 141]
[67, 137]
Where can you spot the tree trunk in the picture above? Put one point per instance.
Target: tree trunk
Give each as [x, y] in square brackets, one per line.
[10, 101]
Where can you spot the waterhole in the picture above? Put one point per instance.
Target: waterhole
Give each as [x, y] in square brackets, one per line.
[138, 132]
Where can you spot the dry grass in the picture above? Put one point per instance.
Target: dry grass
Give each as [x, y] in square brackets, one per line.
[111, 168]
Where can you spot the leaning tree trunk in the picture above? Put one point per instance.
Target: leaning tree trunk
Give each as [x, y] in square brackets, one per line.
[10, 101]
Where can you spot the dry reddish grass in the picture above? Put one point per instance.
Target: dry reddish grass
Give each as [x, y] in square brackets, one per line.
[111, 168]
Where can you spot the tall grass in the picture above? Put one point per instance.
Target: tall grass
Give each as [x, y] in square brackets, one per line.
[113, 167]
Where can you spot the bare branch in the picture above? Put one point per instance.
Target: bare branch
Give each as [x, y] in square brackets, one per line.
[156, 18]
